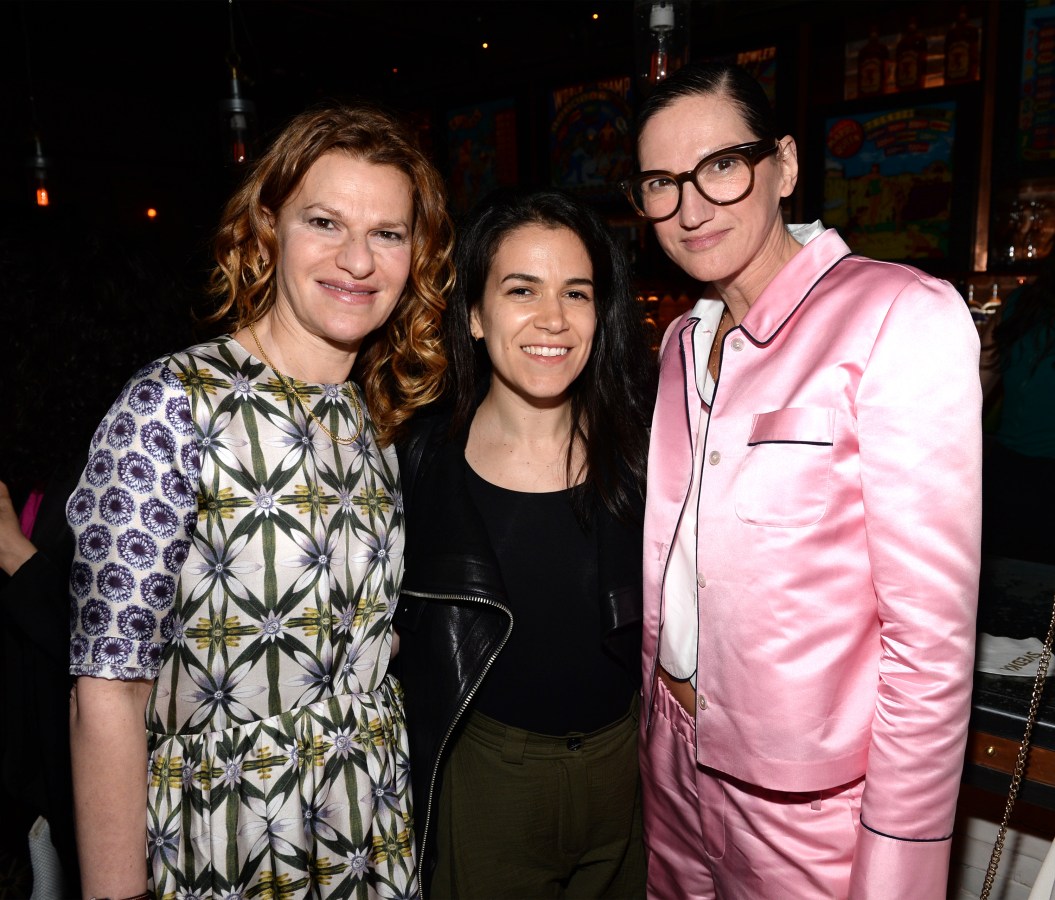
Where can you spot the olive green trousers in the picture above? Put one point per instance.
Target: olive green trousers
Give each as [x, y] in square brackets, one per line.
[527, 816]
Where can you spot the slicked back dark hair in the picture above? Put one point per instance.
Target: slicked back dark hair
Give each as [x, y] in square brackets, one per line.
[611, 399]
[722, 79]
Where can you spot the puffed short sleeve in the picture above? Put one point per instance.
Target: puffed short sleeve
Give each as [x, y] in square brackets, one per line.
[132, 515]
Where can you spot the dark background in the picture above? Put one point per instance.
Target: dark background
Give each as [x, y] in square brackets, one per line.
[125, 95]
[126, 98]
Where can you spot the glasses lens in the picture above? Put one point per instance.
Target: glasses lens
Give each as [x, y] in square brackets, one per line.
[725, 179]
[655, 196]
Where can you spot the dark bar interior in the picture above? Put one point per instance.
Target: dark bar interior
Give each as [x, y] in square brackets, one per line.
[925, 132]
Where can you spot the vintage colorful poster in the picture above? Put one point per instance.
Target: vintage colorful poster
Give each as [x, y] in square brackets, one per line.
[482, 150]
[761, 63]
[590, 142]
[888, 184]
[1037, 99]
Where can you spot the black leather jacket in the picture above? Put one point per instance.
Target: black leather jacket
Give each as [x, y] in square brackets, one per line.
[453, 619]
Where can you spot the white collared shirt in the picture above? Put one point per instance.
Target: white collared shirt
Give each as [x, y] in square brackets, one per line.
[679, 634]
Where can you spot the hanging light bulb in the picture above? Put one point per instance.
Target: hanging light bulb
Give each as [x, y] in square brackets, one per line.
[38, 163]
[661, 24]
[661, 32]
[239, 115]
[238, 111]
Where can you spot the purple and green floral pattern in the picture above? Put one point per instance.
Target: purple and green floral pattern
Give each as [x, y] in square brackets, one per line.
[227, 548]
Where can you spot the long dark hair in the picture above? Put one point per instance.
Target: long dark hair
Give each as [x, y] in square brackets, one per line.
[727, 80]
[611, 398]
[1034, 311]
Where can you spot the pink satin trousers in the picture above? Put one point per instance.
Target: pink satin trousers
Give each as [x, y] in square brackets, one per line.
[711, 837]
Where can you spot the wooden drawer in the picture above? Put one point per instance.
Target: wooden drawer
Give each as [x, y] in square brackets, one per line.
[1000, 754]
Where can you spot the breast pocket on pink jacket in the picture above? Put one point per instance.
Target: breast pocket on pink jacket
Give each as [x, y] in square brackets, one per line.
[784, 478]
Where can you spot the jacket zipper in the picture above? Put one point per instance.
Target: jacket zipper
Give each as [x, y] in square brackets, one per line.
[461, 710]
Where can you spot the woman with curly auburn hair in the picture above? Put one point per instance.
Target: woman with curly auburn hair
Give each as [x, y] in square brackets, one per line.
[240, 533]
[402, 365]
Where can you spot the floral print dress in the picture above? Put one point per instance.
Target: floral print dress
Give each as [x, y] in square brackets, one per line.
[227, 547]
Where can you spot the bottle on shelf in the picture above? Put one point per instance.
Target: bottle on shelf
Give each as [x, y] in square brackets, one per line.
[1010, 250]
[961, 50]
[871, 65]
[911, 57]
[1036, 227]
[978, 312]
[993, 303]
[981, 312]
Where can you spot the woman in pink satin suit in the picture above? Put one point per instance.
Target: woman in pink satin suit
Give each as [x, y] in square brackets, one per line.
[811, 534]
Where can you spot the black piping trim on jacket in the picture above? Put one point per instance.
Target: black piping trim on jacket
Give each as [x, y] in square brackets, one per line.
[690, 326]
[795, 308]
[894, 837]
[650, 688]
[788, 441]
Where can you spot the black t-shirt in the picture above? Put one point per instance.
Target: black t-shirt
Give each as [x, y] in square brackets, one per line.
[553, 676]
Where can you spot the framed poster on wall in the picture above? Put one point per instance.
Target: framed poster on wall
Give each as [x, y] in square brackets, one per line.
[1036, 112]
[482, 151]
[889, 180]
[591, 147]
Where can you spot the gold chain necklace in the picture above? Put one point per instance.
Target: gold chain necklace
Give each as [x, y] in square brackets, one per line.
[345, 441]
[712, 359]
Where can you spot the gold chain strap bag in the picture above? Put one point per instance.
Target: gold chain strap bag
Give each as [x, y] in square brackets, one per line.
[1020, 763]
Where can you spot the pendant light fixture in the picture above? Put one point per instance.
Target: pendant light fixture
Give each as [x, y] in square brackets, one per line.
[237, 111]
[37, 164]
[661, 38]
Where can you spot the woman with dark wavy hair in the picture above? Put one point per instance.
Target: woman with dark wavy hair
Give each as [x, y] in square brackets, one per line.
[520, 618]
[239, 544]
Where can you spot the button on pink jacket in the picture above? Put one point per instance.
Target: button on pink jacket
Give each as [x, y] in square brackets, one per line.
[838, 545]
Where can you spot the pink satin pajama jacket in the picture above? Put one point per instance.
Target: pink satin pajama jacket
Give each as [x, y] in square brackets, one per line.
[838, 547]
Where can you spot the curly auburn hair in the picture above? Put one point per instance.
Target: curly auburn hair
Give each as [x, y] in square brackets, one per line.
[400, 366]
